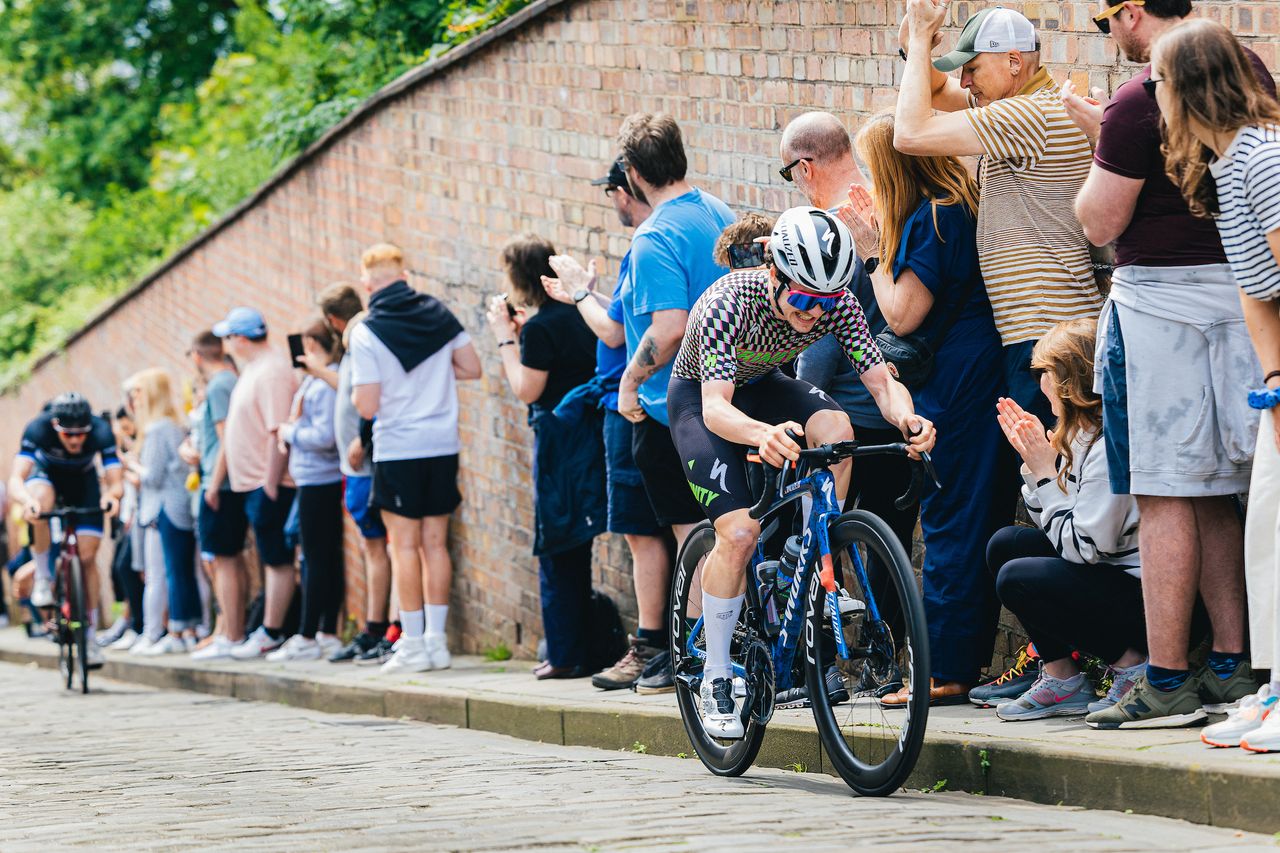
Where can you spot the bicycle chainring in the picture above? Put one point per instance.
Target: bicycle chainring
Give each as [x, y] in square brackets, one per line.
[761, 683]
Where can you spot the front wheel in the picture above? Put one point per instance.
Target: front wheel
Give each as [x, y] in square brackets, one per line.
[79, 624]
[723, 758]
[872, 748]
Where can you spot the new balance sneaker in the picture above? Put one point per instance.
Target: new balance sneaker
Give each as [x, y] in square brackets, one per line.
[411, 656]
[657, 676]
[377, 654]
[1011, 683]
[360, 644]
[42, 591]
[1219, 695]
[296, 648]
[1249, 716]
[1145, 707]
[218, 648]
[256, 645]
[720, 719]
[1121, 683]
[628, 670]
[798, 697]
[438, 652]
[1266, 737]
[125, 641]
[1049, 697]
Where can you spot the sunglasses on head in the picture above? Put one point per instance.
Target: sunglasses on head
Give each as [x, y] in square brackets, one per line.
[1103, 18]
[785, 171]
[802, 301]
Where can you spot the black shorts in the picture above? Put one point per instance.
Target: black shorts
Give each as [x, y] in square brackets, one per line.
[221, 531]
[660, 469]
[74, 488]
[417, 488]
[717, 468]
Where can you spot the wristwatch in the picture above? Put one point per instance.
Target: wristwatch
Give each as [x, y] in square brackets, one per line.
[870, 265]
[580, 294]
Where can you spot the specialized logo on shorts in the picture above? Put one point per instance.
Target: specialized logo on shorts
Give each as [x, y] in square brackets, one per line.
[718, 471]
[819, 392]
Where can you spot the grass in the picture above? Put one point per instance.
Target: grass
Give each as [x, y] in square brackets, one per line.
[498, 653]
[796, 767]
[639, 748]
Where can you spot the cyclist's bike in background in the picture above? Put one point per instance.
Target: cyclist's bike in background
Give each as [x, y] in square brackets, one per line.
[70, 614]
[854, 601]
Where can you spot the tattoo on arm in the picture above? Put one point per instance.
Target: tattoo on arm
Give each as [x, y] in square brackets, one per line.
[644, 363]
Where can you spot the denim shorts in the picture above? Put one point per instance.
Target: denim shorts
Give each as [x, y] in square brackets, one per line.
[356, 494]
[629, 507]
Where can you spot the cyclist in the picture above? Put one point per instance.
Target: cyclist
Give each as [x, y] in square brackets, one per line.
[55, 465]
[727, 394]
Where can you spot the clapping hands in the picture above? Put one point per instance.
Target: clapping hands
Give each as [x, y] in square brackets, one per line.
[1028, 436]
[859, 216]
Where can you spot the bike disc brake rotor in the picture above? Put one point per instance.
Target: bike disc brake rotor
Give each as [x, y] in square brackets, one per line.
[758, 662]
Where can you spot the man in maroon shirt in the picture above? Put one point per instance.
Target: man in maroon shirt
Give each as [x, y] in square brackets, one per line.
[1173, 367]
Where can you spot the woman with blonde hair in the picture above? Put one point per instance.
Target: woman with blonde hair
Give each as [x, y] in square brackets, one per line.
[918, 240]
[1073, 580]
[164, 514]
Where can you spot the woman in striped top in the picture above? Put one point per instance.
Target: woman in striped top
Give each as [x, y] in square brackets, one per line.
[1222, 124]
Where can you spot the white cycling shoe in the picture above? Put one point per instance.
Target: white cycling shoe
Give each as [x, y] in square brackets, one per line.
[720, 717]
[42, 591]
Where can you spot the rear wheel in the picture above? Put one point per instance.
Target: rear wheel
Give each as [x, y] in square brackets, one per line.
[872, 748]
[62, 598]
[79, 624]
[722, 757]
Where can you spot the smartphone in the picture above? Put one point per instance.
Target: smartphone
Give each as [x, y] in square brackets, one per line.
[511, 309]
[295, 349]
[746, 255]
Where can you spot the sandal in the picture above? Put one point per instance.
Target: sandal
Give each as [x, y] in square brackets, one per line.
[948, 693]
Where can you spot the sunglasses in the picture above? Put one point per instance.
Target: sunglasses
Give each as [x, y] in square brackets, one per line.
[1103, 18]
[71, 431]
[802, 301]
[785, 171]
[1149, 86]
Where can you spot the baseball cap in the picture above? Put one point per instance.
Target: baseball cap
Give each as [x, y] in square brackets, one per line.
[246, 322]
[994, 30]
[617, 177]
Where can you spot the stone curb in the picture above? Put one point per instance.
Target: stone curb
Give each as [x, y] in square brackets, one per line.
[1077, 777]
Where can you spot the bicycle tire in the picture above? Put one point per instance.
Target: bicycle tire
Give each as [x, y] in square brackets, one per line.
[79, 622]
[873, 749]
[736, 757]
[62, 625]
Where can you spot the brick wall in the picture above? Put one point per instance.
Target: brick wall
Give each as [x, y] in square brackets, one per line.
[503, 140]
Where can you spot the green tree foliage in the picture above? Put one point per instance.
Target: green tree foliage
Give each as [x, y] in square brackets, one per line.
[140, 122]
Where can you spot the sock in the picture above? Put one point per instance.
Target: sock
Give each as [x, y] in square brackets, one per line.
[720, 618]
[90, 631]
[437, 614]
[377, 630]
[1224, 664]
[44, 564]
[414, 623]
[273, 633]
[653, 637]
[1166, 680]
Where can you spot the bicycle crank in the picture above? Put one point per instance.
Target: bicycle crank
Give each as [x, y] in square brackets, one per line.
[758, 663]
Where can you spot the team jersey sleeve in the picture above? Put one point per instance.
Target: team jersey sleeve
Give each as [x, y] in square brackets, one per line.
[717, 334]
[105, 440]
[849, 325]
[30, 440]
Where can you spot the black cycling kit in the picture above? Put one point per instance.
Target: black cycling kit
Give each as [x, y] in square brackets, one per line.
[74, 476]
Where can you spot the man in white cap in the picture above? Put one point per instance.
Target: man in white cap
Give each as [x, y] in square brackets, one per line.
[1005, 107]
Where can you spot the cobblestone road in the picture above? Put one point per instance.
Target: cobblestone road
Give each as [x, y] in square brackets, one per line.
[132, 767]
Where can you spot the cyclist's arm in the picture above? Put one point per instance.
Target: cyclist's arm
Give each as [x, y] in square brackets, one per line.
[23, 466]
[894, 401]
[114, 478]
[730, 423]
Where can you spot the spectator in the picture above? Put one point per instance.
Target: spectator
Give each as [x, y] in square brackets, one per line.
[407, 356]
[261, 492]
[220, 529]
[313, 464]
[1074, 582]
[1005, 106]
[127, 582]
[343, 310]
[1173, 331]
[1223, 151]
[164, 514]
[547, 349]
[629, 511]
[819, 154]
[917, 239]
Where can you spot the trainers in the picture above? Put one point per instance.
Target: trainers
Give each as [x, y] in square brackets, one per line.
[94, 658]
[1145, 707]
[438, 651]
[628, 670]
[330, 644]
[169, 644]
[125, 641]
[256, 645]
[1219, 694]
[42, 591]
[657, 676]
[798, 697]
[720, 719]
[1010, 684]
[1252, 711]
[1049, 697]
[219, 648]
[412, 656]
[115, 632]
[296, 648]
[1266, 737]
[1121, 683]
[141, 645]
[379, 653]
[359, 644]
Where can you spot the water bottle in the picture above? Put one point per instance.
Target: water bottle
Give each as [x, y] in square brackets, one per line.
[787, 572]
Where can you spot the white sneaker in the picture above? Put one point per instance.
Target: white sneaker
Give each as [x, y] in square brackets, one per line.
[255, 645]
[329, 644]
[1243, 721]
[42, 591]
[141, 645]
[94, 657]
[720, 719]
[1266, 737]
[412, 656]
[189, 644]
[127, 639]
[169, 644]
[296, 648]
[438, 652]
[219, 648]
[115, 632]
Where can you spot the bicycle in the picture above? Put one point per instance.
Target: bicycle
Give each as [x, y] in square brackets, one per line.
[862, 614]
[70, 613]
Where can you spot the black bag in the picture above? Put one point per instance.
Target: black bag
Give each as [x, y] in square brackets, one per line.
[912, 356]
[606, 639]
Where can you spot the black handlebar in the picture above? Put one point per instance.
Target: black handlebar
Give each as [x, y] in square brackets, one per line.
[65, 511]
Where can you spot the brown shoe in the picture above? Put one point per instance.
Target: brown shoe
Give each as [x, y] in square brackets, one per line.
[624, 673]
[948, 693]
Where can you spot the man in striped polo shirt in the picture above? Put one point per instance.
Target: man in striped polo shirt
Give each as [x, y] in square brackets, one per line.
[1006, 108]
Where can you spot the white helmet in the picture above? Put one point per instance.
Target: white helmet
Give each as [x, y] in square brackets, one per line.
[814, 249]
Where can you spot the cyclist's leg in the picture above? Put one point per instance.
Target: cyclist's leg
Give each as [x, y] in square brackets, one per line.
[41, 490]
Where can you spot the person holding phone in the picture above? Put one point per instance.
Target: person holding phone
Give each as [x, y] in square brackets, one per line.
[741, 246]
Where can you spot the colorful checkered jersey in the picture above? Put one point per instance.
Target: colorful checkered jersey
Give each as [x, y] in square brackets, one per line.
[735, 333]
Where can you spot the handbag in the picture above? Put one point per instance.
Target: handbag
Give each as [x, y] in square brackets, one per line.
[913, 356]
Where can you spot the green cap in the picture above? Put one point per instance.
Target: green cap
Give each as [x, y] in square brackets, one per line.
[994, 30]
